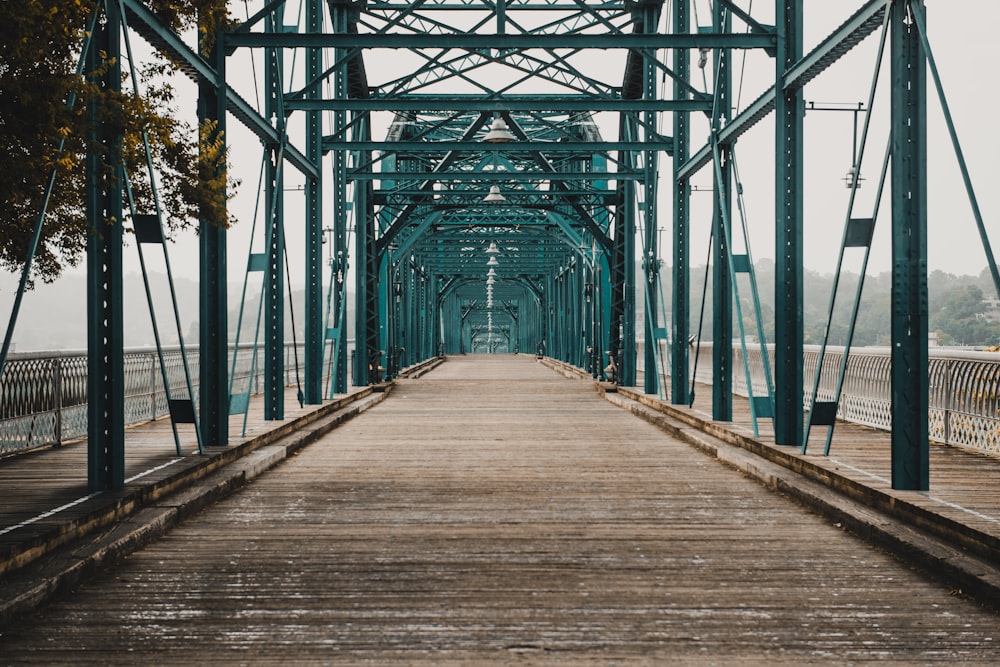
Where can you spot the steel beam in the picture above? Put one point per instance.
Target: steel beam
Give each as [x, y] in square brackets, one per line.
[143, 21]
[646, 17]
[681, 320]
[274, 273]
[213, 328]
[722, 286]
[314, 324]
[909, 330]
[864, 22]
[512, 103]
[508, 42]
[105, 351]
[445, 175]
[788, 280]
[561, 148]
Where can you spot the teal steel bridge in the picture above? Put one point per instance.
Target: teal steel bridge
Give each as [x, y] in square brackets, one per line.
[498, 213]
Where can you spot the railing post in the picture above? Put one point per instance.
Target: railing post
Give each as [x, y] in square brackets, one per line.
[58, 395]
[947, 401]
[152, 386]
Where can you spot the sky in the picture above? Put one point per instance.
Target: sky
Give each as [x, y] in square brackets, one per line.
[961, 42]
[961, 37]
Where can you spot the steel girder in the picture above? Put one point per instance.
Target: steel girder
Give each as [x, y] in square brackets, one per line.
[681, 308]
[105, 358]
[274, 216]
[788, 280]
[910, 382]
[212, 303]
[722, 180]
[569, 280]
[314, 324]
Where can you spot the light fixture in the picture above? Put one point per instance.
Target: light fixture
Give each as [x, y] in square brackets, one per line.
[499, 132]
[853, 179]
[492, 273]
[494, 196]
[493, 250]
[493, 262]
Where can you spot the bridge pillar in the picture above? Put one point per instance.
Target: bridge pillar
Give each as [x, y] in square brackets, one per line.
[722, 303]
[105, 359]
[910, 384]
[274, 274]
[788, 278]
[314, 324]
[213, 352]
[679, 359]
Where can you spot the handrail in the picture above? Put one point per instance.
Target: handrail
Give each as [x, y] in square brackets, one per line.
[43, 395]
[964, 390]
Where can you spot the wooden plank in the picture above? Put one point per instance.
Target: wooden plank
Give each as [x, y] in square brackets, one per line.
[493, 511]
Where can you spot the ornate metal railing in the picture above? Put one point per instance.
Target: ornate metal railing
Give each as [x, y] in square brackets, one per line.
[964, 389]
[43, 396]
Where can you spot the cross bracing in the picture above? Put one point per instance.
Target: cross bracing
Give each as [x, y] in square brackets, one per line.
[548, 236]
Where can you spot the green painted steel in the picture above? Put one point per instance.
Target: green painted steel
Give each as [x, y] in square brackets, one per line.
[647, 19]
[314, 324]
[500, 43]
[274, 198]
[910, 383]
[722, 300]
[213, 392]
[681, 307]
[342, 213]
[527, 243]
[105, 352]
[789, 186]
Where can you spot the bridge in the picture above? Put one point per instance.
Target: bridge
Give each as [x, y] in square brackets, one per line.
[454, 474]
[495, 508]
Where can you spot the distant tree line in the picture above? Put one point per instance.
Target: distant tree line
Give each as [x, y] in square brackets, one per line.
[956, 307]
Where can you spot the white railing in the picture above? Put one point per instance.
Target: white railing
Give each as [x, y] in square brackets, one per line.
[964, 389]
[43, 395]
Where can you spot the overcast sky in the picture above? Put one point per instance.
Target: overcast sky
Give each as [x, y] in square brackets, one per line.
[962, 34]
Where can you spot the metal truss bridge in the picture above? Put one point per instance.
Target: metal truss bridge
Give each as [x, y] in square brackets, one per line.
[492, 177]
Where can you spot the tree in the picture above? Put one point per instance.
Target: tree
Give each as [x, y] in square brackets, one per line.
[44, 127]
[960, 321]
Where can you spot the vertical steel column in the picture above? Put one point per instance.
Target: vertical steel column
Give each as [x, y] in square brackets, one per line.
[274, 275]
[105, 359]
[340, 20]
[367, 319]
[213, 336]
[650, 22]
[314, 325]
[679, 361]
[788, 280]
[910, 384]
[722, 350]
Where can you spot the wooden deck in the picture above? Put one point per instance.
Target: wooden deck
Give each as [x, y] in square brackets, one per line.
[495, 512]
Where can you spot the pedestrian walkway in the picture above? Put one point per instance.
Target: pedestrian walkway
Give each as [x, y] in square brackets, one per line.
[495, 512]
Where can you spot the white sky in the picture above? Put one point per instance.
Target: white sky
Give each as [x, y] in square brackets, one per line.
[961, 38]
[962, 45]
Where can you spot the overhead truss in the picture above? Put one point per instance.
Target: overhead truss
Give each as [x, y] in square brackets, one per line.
[489, 174]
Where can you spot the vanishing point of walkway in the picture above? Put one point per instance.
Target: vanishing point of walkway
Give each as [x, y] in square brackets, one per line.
[495, 512]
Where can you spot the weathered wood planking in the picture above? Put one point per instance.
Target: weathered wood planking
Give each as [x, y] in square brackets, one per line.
[38, 482]
[494, 512]
[964, 484]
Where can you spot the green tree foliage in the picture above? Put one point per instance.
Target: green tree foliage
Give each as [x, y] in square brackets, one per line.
[43, 125]
[956, 307]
